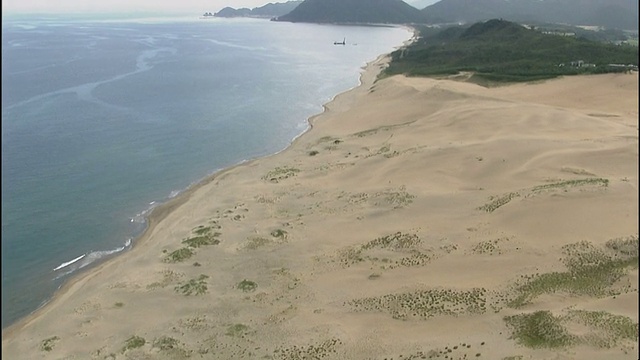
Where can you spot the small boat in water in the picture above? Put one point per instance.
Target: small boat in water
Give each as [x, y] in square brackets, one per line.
[340, 43]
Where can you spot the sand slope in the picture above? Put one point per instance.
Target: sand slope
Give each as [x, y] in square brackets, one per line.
[419, 218]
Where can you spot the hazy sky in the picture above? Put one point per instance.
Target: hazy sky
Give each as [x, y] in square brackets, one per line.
[168, 6]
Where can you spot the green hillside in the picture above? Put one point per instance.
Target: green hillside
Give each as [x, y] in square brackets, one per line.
[612, 14]
[355, 12]
[499, 50]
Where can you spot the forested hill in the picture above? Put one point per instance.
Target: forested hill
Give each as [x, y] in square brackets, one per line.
[270, 10]
[355, 12]
[613, 14]
[500, 50]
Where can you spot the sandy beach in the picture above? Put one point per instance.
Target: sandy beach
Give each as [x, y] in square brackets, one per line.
[417, 219]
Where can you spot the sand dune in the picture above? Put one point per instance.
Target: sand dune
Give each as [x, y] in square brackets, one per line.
[419, 218]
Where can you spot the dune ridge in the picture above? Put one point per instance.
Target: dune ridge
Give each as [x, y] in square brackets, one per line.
[418, 218]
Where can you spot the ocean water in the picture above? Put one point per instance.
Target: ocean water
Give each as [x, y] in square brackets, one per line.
[103, 119]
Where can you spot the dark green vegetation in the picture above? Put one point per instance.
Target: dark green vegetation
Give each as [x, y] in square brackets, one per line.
[424, 304]
[590, 271]
[179, 255]
[133, 342]
[247, 285]
[387, 252]
[496, 202]
[203, 236]
[542, 329]
[165, 343]
[48, 344]
[539, 329]
[196, 286]
[502, 51]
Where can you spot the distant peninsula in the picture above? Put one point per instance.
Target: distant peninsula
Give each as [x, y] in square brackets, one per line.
[611, 14]
[355, 12]
[267, 11]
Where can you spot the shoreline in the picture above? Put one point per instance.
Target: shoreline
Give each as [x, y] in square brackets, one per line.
[161, 211]
[399, 188]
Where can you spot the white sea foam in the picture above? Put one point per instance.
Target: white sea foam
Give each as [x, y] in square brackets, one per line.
[141, 217]
[88, 259]
[65, 264]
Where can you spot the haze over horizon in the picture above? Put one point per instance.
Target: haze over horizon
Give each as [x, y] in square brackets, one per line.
[137, 6]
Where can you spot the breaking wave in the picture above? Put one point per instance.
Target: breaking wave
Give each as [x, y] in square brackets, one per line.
[89, 258]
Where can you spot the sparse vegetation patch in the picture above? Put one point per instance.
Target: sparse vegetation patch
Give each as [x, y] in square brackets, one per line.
[489, 246]
[197, 286]
[247, 285]
[425, 304]
[540, 329]
[572, 183]
[606, 329]
[624, 246]
[600, 329]
[168, 277]
[133, 342]
[204, 236]
[280, 173]
[498, 201]
[256, 242]
[313, 351]
[237, 330]
[165, 343]
[49, 343]
[590, 271]
[279, 233]
[179, 255]
[397, 241]
[278, 236]
[389, 251]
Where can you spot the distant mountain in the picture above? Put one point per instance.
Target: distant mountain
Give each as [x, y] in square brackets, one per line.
[270, 10]
[614, 14]
[355, 11]
[230, 12]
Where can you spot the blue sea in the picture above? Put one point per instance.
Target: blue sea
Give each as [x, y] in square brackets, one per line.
[103, 119]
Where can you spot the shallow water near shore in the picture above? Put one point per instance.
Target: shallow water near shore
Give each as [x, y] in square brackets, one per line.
[104, 119]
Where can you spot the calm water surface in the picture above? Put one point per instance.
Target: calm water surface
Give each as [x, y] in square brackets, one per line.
[103, 119]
